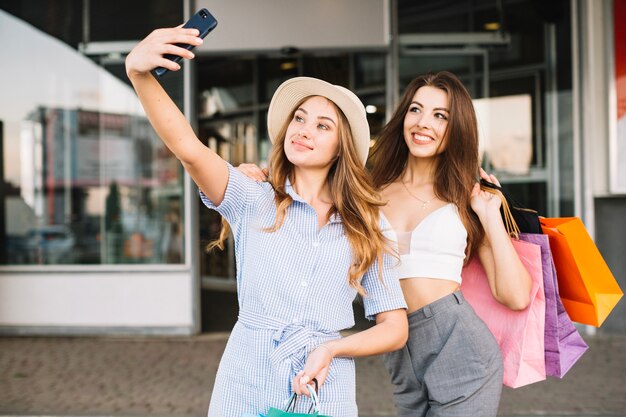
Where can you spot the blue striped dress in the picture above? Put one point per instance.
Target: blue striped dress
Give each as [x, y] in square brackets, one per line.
[293, 294]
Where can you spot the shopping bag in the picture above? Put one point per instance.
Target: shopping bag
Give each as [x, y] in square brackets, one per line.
[289, 411]
[520, 334]
[516, 218]
[563, 344]
[587, 287]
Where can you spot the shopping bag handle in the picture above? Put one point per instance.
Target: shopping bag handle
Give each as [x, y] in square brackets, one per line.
[509, 222]
[315, 402]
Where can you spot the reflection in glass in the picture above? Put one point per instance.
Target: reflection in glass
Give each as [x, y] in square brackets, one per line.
[234, 139]
[225, 86]
[334, 69]
[95, 188]
[469, 68]
[85, 178]
[529, 83]
[505, 132]
[375, 107]
[273, 72]
[370, 71]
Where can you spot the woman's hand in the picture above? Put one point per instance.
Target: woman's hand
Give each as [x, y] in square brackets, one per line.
[508, 279]
[148, 54]
[484, 203]
[254, 172]
[316, 366]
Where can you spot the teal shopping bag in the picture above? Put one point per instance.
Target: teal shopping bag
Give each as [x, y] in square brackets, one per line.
[314, 411]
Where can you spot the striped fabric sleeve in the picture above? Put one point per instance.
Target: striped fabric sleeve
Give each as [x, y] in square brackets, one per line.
[383, 292]
[240, 191]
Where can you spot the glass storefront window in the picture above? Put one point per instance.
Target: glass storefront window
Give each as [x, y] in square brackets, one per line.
[515, 59]
[225, 87]
[370, 71]
[375, 106]
[85, 179]
[274, 71]
[61, 19]
[527, 86]
[468, 67]
[434, 17]
[332, 68]
[370, 77]
[107, 17]
[226, 125]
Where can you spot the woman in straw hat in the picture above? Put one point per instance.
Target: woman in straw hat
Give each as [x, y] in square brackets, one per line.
[306, 242]
[426, 164]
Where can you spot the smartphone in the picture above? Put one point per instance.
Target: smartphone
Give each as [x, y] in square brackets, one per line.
[204, 22]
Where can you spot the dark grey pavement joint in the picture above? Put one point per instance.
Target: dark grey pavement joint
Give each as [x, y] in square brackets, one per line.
[173, 376]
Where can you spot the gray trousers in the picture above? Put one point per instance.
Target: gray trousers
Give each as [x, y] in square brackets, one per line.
[451, 365]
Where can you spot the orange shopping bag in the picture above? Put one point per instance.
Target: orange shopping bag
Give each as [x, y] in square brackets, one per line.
[587, 287]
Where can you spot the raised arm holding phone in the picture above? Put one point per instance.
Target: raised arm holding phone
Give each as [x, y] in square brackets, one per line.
[306, 242]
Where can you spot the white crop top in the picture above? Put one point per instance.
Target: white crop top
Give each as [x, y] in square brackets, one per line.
[435, 248]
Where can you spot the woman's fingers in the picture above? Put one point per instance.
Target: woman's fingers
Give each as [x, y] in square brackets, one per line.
[172, 37]
[254, 172]
[299, 383]
[488, 177]
[176, 31]
[168, 64]
[475, 190]
[149, 53]
[302, 380]
[189, 39]
[177, 50]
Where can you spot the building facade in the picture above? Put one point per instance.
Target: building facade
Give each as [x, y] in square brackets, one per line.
[101, 232]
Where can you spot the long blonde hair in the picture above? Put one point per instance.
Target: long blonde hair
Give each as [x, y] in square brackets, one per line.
[354, 199]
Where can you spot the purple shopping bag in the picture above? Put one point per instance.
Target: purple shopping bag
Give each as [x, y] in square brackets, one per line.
[563, 344]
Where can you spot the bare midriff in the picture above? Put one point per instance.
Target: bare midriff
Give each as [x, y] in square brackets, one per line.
[419, 292]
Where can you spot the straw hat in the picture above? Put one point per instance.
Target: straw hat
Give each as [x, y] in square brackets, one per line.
[292, 91]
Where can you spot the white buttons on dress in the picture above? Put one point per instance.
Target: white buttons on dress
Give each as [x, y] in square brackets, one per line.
[316, 243]
[304, 283]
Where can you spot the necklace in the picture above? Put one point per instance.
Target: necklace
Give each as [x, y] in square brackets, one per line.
[424, 202]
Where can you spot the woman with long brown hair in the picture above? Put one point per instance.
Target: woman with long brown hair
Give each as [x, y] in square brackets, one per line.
[306, 242]
[426, 164]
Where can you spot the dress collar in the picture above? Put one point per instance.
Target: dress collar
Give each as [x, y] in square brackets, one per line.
[334, 218]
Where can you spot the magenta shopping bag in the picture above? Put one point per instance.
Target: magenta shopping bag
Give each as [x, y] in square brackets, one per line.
[520, 334]
[563, 344]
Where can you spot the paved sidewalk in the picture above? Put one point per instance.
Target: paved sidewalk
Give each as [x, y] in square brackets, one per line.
[173, 376]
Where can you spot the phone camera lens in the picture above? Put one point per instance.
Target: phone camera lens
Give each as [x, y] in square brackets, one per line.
[203, 15]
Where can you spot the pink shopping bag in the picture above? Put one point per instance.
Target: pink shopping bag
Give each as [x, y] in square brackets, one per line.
[520, 334]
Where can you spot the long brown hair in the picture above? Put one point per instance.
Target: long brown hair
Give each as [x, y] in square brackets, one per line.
[456, 168]
[354, 199]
